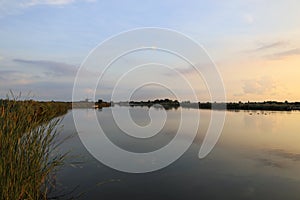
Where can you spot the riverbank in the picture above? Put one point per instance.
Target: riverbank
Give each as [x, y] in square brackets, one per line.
[28, 157]
[266, 105]
[170, 104]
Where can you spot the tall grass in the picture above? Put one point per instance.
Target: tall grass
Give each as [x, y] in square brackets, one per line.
[28, 148]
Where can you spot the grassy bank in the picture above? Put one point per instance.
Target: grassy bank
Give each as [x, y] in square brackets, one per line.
[27, 147]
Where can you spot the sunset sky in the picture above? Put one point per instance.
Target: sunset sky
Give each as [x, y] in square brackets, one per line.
[255, 44]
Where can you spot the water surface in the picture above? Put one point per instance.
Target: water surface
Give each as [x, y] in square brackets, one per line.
[256, 157]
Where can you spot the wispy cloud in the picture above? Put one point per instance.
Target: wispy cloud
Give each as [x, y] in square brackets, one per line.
[11, 7]
[282, 54]
[43, 90]
[54, 68]
[48, 2]
[266, 46]
[184, 71]
[53, 2]
[275, 50]
[37, 84]
[13, 77]
[189, 69]
[47, 79]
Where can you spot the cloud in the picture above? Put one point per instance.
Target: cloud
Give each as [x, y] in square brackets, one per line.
[45, 79]
[13, 75]
[39, 86]
[54, 2]
[263, 88]
[282, 54]
[186, 70]
[267, 48]
[12, 7]
[272, 45]
[189, 69]
[275, 50]
[182, 71]
[49, 2]
[51, 67]
[45, 90]
[263, 85]
[5, 74]
[16, 78]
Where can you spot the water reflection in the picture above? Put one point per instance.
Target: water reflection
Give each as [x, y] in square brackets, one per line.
[257, 157]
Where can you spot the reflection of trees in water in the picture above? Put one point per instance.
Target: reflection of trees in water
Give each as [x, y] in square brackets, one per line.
[259, 121]
[167, 104]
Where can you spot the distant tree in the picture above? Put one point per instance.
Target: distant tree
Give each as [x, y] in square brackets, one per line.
[100, 101]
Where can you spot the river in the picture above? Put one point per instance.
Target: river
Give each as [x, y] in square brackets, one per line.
[256, 157]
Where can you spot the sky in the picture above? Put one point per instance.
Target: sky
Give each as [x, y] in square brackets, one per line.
[255, 45]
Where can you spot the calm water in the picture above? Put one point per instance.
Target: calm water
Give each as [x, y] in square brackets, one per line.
[256, 157]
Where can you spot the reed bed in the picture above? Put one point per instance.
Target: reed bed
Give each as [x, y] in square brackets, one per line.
[28, 148]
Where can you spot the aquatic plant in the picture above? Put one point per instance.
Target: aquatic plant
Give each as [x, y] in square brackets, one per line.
[28, 147]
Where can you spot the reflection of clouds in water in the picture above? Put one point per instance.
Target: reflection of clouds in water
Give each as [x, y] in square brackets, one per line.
[261, 120]
[267, 162]
[284, 154]
[277, 158]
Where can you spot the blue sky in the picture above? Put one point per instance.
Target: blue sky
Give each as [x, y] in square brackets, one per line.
[254, 43]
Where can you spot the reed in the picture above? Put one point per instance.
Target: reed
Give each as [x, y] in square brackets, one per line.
[28, 148]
